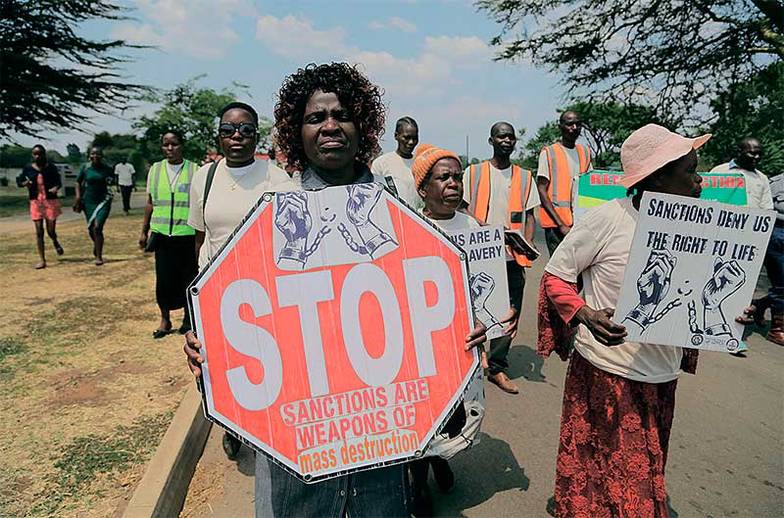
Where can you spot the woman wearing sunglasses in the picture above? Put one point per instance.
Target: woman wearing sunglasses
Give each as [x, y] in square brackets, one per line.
[236, 182]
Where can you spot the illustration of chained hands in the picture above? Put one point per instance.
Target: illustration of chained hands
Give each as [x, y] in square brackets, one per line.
[362, 199]
[728, 277]
[653, 284]
[481, 286]
[294, 221]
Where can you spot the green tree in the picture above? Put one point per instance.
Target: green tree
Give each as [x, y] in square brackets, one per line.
[14, 156]
[103, 140]
[55, 156]
[139, 163]
[605, 126]
[754, 108]
[529, 152]
[193, 111]
[18, 156]
[74, 154]
[119, 147]
[49, 75]
[674, 54]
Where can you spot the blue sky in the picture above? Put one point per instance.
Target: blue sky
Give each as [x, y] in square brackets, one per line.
[431, 57]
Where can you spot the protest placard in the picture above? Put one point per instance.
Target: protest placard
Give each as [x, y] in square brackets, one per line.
[487, 266]
[692, 269]
[597, 187]
[332, 326]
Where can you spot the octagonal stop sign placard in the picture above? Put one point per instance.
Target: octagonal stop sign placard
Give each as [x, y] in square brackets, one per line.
[333, 326]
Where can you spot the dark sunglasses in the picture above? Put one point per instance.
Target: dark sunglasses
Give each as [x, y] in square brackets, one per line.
[227, 129]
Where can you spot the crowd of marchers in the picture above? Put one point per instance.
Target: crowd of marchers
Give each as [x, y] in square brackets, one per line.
[619, 396]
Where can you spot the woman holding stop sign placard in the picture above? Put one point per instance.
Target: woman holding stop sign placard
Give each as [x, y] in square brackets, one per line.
[328, 121]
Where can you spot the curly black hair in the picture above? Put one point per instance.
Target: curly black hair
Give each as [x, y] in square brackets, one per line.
[354, 91]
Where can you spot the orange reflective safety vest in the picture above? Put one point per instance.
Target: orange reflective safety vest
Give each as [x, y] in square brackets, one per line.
[560, 188]
[520, 188]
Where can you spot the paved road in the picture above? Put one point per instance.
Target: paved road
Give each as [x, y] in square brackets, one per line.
[726, 452]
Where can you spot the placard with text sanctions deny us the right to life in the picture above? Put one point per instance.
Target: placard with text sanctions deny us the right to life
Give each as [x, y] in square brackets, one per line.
[692, 269]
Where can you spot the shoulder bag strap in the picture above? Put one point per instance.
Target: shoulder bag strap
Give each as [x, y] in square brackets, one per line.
[391, 185]
[207, 187]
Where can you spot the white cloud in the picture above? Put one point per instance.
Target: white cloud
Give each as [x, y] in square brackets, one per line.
[200, 28]
[394, 22]
[296, 38]
[440, 65]
[445, 85]
[437, 66]
[451, 47]
[401, 24]
[447, 124]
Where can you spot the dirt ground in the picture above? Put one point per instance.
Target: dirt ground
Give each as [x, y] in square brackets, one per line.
[87, 393]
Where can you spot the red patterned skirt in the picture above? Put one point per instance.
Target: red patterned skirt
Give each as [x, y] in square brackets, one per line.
[613, 445]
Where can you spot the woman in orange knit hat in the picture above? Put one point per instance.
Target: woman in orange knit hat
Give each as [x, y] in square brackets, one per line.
[438, 176]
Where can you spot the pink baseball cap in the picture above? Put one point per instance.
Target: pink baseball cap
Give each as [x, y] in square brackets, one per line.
[651, 147]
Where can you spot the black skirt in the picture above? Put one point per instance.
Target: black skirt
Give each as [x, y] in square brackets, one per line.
[176, 266]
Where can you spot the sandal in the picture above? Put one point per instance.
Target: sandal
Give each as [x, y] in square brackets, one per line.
[59, 249]
[41, 265]
[231, 446]
[160, 333]
[99, 262]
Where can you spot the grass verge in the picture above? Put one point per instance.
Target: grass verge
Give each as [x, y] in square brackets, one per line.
[86, 457]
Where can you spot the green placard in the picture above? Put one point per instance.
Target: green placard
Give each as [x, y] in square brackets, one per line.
[724, 187]
[597, 187]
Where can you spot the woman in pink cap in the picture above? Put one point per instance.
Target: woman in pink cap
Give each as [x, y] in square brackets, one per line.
[619, 396]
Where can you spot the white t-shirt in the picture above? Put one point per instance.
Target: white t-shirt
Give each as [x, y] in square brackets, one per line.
[460, 221]
[124, 173]
[598, 247]
[758, 193]
[172, 173]
[234, 191]
[392, 164]
[399, 168]
[274, 169]
[501, 182]
[572, 158]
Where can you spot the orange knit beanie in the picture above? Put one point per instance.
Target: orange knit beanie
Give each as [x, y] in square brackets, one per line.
[425, 158]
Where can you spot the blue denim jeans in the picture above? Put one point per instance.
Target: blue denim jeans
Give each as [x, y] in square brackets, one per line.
[774, 264]
[378, 492]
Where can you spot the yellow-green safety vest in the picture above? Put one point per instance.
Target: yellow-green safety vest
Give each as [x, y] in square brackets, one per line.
[170, 209]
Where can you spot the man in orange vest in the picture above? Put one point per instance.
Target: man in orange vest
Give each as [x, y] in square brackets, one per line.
[559, 164]
[500, 193]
